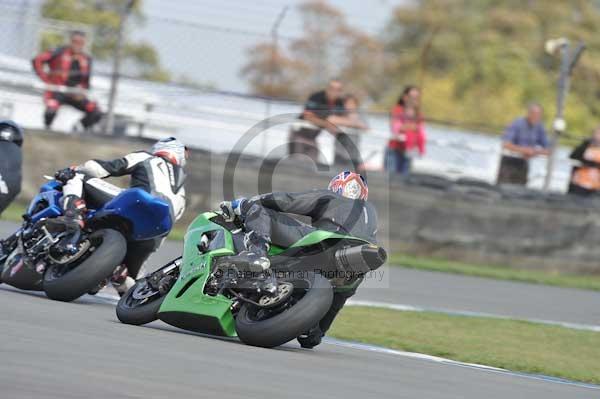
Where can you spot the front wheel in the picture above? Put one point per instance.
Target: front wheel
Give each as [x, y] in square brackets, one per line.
[107, 249]
[268, 328]
[141, 303]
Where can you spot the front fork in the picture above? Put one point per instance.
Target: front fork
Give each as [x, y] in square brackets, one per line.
[163, 278]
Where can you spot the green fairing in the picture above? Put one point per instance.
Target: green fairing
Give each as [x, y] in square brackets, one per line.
[312, 238]
[317, 236]
[187, 295]
[197, 266]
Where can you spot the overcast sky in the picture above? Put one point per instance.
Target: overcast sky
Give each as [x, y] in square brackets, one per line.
[207, 40]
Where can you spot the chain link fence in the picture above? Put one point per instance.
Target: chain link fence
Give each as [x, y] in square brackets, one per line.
[206, 114]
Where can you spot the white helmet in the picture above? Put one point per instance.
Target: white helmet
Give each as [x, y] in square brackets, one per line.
[171, 149]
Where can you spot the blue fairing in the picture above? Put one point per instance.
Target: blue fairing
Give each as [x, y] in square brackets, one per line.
[50, 196]
[148, 216]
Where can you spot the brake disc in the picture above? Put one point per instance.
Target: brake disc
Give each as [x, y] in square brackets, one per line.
[284, 291]
[143, 291]
[83, 248]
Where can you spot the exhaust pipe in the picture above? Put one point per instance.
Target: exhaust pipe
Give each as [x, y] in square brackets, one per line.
[361, 259]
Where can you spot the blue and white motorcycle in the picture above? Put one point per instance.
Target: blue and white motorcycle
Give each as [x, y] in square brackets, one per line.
[48, 253]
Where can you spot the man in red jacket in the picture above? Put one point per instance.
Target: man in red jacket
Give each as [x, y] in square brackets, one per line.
[67, 66]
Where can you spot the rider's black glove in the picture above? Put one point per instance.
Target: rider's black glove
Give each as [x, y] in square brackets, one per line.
[64, 175]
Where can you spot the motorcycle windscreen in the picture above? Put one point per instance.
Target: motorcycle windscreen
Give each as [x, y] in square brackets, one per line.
[45, 205]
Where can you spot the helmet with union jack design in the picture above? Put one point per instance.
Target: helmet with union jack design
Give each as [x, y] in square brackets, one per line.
[172, 150]
[350, 185]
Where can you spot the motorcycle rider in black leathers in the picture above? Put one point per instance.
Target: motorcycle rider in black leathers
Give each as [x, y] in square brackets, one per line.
[158, 172]
[267, 218]
[11, 140]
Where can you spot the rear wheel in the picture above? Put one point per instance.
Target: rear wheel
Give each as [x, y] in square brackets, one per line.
[67, 282]
[269, 327]
[141, 303]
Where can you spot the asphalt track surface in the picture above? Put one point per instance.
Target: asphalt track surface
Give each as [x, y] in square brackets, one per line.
[73, 350]
[450, 292]
[79, 350]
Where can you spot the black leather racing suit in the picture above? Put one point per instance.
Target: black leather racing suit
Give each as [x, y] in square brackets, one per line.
[270, 217]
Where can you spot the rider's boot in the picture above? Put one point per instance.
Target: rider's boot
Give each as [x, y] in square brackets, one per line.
[74, 209]
[311, 338]
[255, 259]
[255, 255]
[121, 281]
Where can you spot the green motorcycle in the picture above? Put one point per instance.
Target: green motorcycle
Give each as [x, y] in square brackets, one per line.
[205, 291]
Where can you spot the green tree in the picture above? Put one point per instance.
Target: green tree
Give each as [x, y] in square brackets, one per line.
[482, 61]
[272, 73]
[328, 47]
[103, 18]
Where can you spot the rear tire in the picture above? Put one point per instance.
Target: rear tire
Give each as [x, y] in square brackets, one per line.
[292, 322]
[89, 273]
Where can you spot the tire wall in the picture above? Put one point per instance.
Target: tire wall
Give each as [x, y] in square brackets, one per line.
[428, 216]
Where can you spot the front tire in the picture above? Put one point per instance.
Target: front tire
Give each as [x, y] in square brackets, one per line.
[131, 311]
[88, 274]
[141, 303]
[290, 323]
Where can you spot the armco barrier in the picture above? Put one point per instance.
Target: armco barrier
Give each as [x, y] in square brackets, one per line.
[422, 215]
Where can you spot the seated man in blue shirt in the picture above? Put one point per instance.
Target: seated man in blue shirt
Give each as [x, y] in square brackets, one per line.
[524, 139]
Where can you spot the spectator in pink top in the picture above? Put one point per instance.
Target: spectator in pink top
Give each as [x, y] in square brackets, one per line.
[408, 132]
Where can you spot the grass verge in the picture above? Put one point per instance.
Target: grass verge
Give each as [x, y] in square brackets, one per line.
[513, 345]
[498, 272]
[14, 212]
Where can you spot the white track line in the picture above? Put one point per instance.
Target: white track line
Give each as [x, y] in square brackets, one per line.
[411, 308]
[436, 359]
[109, 298]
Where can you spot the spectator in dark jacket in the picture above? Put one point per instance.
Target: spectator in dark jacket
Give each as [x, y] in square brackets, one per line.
[585, 179]
[524, 139]
[319, 106]
[70, 67]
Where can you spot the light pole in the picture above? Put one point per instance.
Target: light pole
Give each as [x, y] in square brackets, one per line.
[109, 126]
[272, 71]
[568, 62]
[273, 61]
